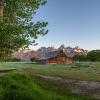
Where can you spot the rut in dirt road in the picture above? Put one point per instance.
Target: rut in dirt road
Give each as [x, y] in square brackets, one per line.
[91, 88]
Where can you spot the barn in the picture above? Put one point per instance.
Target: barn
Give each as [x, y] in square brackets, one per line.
[56, 57]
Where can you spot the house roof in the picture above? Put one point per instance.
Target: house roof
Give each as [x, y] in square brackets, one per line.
[54, 54]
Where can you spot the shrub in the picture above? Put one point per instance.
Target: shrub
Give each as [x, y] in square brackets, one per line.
[16, 59]
[33, 59]
[80, 57]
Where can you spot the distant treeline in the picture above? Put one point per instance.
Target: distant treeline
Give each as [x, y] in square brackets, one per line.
[9, 59]
[93, 55]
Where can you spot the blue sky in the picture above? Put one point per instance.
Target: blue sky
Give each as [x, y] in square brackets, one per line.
[71, 22]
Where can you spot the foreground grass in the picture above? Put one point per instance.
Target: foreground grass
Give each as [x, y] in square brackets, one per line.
[23, 86]
[81, 71]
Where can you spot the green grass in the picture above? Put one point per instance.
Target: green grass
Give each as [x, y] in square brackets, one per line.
[81, 71]
[23, 86]
[20, 85]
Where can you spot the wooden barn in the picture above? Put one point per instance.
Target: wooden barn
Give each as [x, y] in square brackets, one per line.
[56, 57]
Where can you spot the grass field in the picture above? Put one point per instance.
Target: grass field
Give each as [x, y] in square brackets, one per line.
[83, 70]
[23, 85]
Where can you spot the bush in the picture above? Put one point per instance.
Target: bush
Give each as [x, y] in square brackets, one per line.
[80, 57]
[16, 59]
[33, 59]
[9, 59]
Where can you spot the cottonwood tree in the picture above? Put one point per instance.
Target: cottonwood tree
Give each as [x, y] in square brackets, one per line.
[93, 55]
[17, 30]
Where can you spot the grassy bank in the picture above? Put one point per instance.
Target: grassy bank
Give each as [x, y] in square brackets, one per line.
[23, 86]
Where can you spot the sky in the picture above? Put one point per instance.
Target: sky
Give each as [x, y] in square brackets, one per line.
[70, 22]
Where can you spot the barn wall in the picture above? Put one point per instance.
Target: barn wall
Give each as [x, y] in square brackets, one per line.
[51, 61]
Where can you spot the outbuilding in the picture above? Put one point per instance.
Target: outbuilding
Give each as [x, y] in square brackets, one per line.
[56, 57]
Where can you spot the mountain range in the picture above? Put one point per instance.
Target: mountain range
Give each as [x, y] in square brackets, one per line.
[27, 54]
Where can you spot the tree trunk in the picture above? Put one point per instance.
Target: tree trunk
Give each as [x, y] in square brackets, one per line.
[1, 9]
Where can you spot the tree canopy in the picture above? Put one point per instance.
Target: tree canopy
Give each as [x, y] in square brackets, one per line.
[17, 29]
[94, 55]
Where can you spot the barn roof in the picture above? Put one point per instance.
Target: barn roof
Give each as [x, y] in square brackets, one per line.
[53, 54]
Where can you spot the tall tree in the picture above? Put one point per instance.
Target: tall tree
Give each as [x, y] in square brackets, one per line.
[17, 29]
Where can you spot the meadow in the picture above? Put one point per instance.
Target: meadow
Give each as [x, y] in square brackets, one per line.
[80, 70]
[22, 84]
